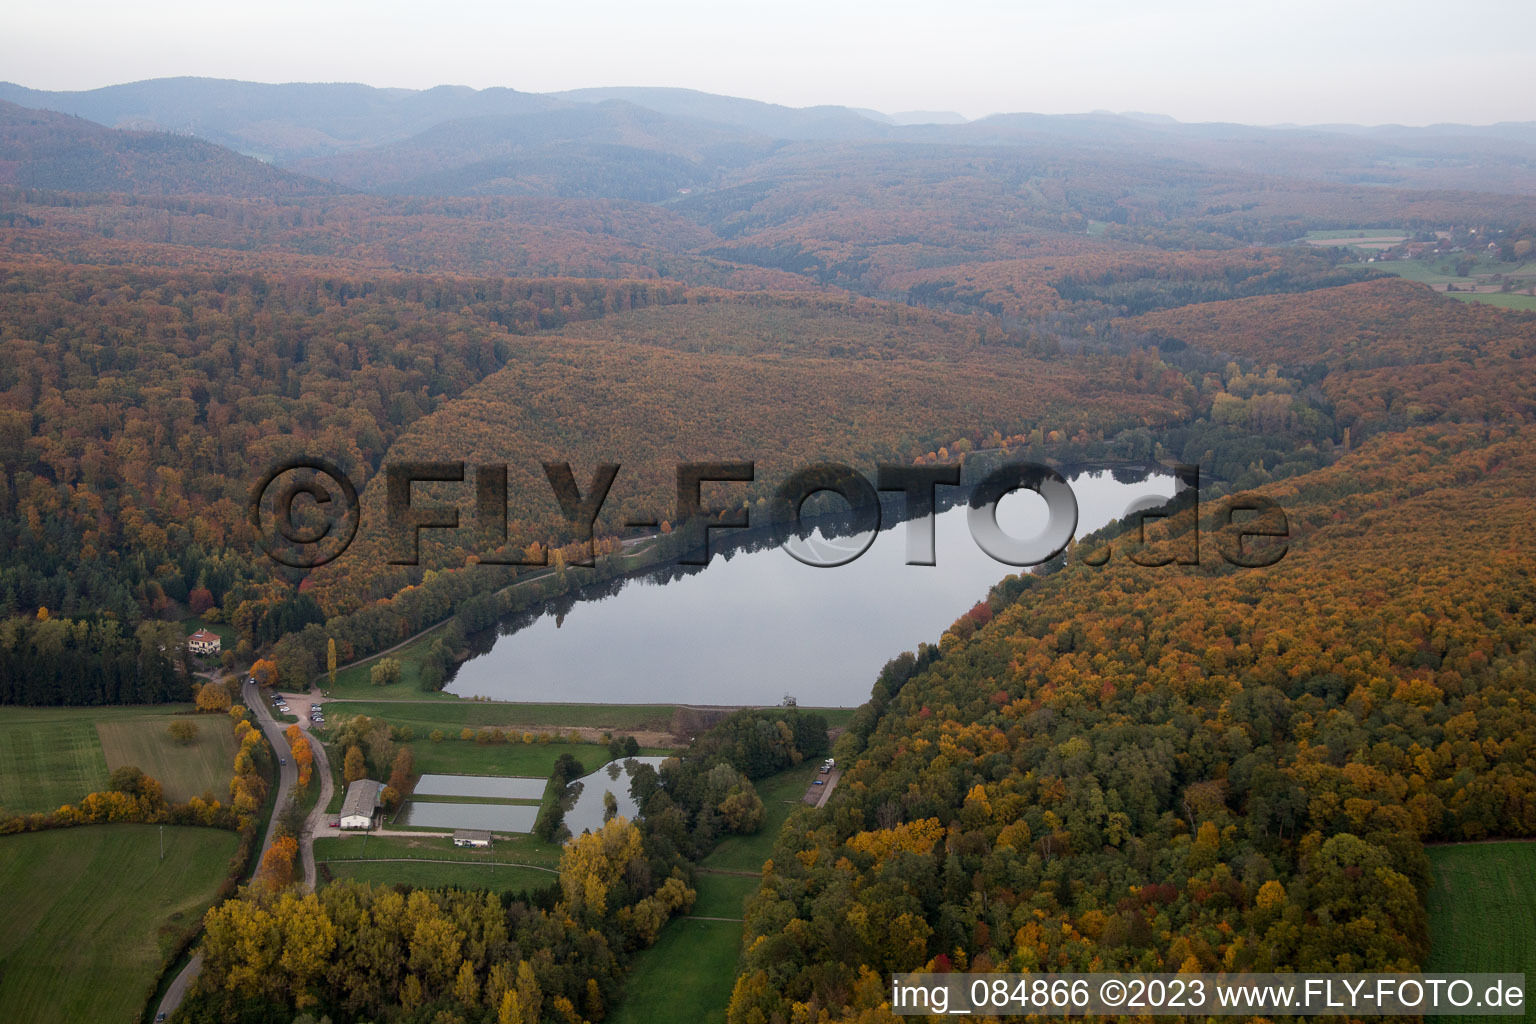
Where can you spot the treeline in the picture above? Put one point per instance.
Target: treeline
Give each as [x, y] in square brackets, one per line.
[44, 660]
[1124, 768]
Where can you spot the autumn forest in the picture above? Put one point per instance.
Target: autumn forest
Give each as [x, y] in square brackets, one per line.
[1105, 763]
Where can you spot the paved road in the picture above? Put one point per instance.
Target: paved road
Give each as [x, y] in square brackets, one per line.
[182, 982]
[287, 778]
[287, 774]
[318, 822]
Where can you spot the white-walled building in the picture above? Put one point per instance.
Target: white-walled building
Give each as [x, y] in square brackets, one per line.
[361, 804]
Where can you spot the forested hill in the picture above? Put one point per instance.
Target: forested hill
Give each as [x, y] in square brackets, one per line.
[1186, 769]
[41, 149]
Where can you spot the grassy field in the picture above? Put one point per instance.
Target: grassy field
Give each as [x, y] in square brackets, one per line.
[722, 895]
[90, 913]
[523, 849]
[204, 765]
[54, 756]
[455, 714]
[451, 716]
[354, 681]
[425, 875]
[1482, 912]
[1504, 300]
[687, 975]
[466, 757]
[1441, 270]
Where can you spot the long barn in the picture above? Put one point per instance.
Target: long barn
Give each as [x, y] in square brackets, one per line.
[361, 804]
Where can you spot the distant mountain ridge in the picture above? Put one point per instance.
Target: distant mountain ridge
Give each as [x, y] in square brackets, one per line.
[280, 123]
[648, 143]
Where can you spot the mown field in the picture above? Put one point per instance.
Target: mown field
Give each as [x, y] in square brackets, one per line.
[421, 874]
[722, 895]
[686, 976]
[523, 849]
[54, 756]
[511, 865]
[91, 912]
[185, 770]
[455, 713]
[1482, 912]
[451, 716]
[466, 757]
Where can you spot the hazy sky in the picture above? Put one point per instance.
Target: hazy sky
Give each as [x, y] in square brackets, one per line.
[1309, 61]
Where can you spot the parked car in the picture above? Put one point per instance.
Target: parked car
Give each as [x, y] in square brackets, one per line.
[819, 782]
[335, 823]
[282, 760]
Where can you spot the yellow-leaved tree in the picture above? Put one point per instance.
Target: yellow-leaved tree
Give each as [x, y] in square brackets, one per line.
[592, 862]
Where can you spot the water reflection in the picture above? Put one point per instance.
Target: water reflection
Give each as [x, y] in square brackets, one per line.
[756, 625]
[492, 817]
[584, 804]
[492, 786]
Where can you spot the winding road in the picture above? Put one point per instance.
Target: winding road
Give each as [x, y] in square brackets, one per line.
[287, 779]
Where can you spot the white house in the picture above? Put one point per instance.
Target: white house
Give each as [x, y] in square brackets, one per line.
[471, 837]
[204, 642]
[361, 804]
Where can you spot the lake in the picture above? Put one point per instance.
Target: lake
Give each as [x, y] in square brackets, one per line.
[757, 625]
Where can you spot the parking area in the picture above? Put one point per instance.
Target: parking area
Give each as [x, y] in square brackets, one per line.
[822, 786]
[309, 710]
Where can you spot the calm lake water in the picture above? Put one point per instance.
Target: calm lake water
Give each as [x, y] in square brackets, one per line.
[584, 798]
[758, 625]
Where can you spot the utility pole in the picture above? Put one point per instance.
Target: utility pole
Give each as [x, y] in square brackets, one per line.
[162, 842]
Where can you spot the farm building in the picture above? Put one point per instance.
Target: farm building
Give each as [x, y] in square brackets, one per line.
[471, 837]
[204, 642]
[361, 804]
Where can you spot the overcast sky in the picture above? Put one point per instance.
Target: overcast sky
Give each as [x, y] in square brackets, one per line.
[1307, 61]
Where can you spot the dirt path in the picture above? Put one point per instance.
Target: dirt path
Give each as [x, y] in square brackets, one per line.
[316, 823]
